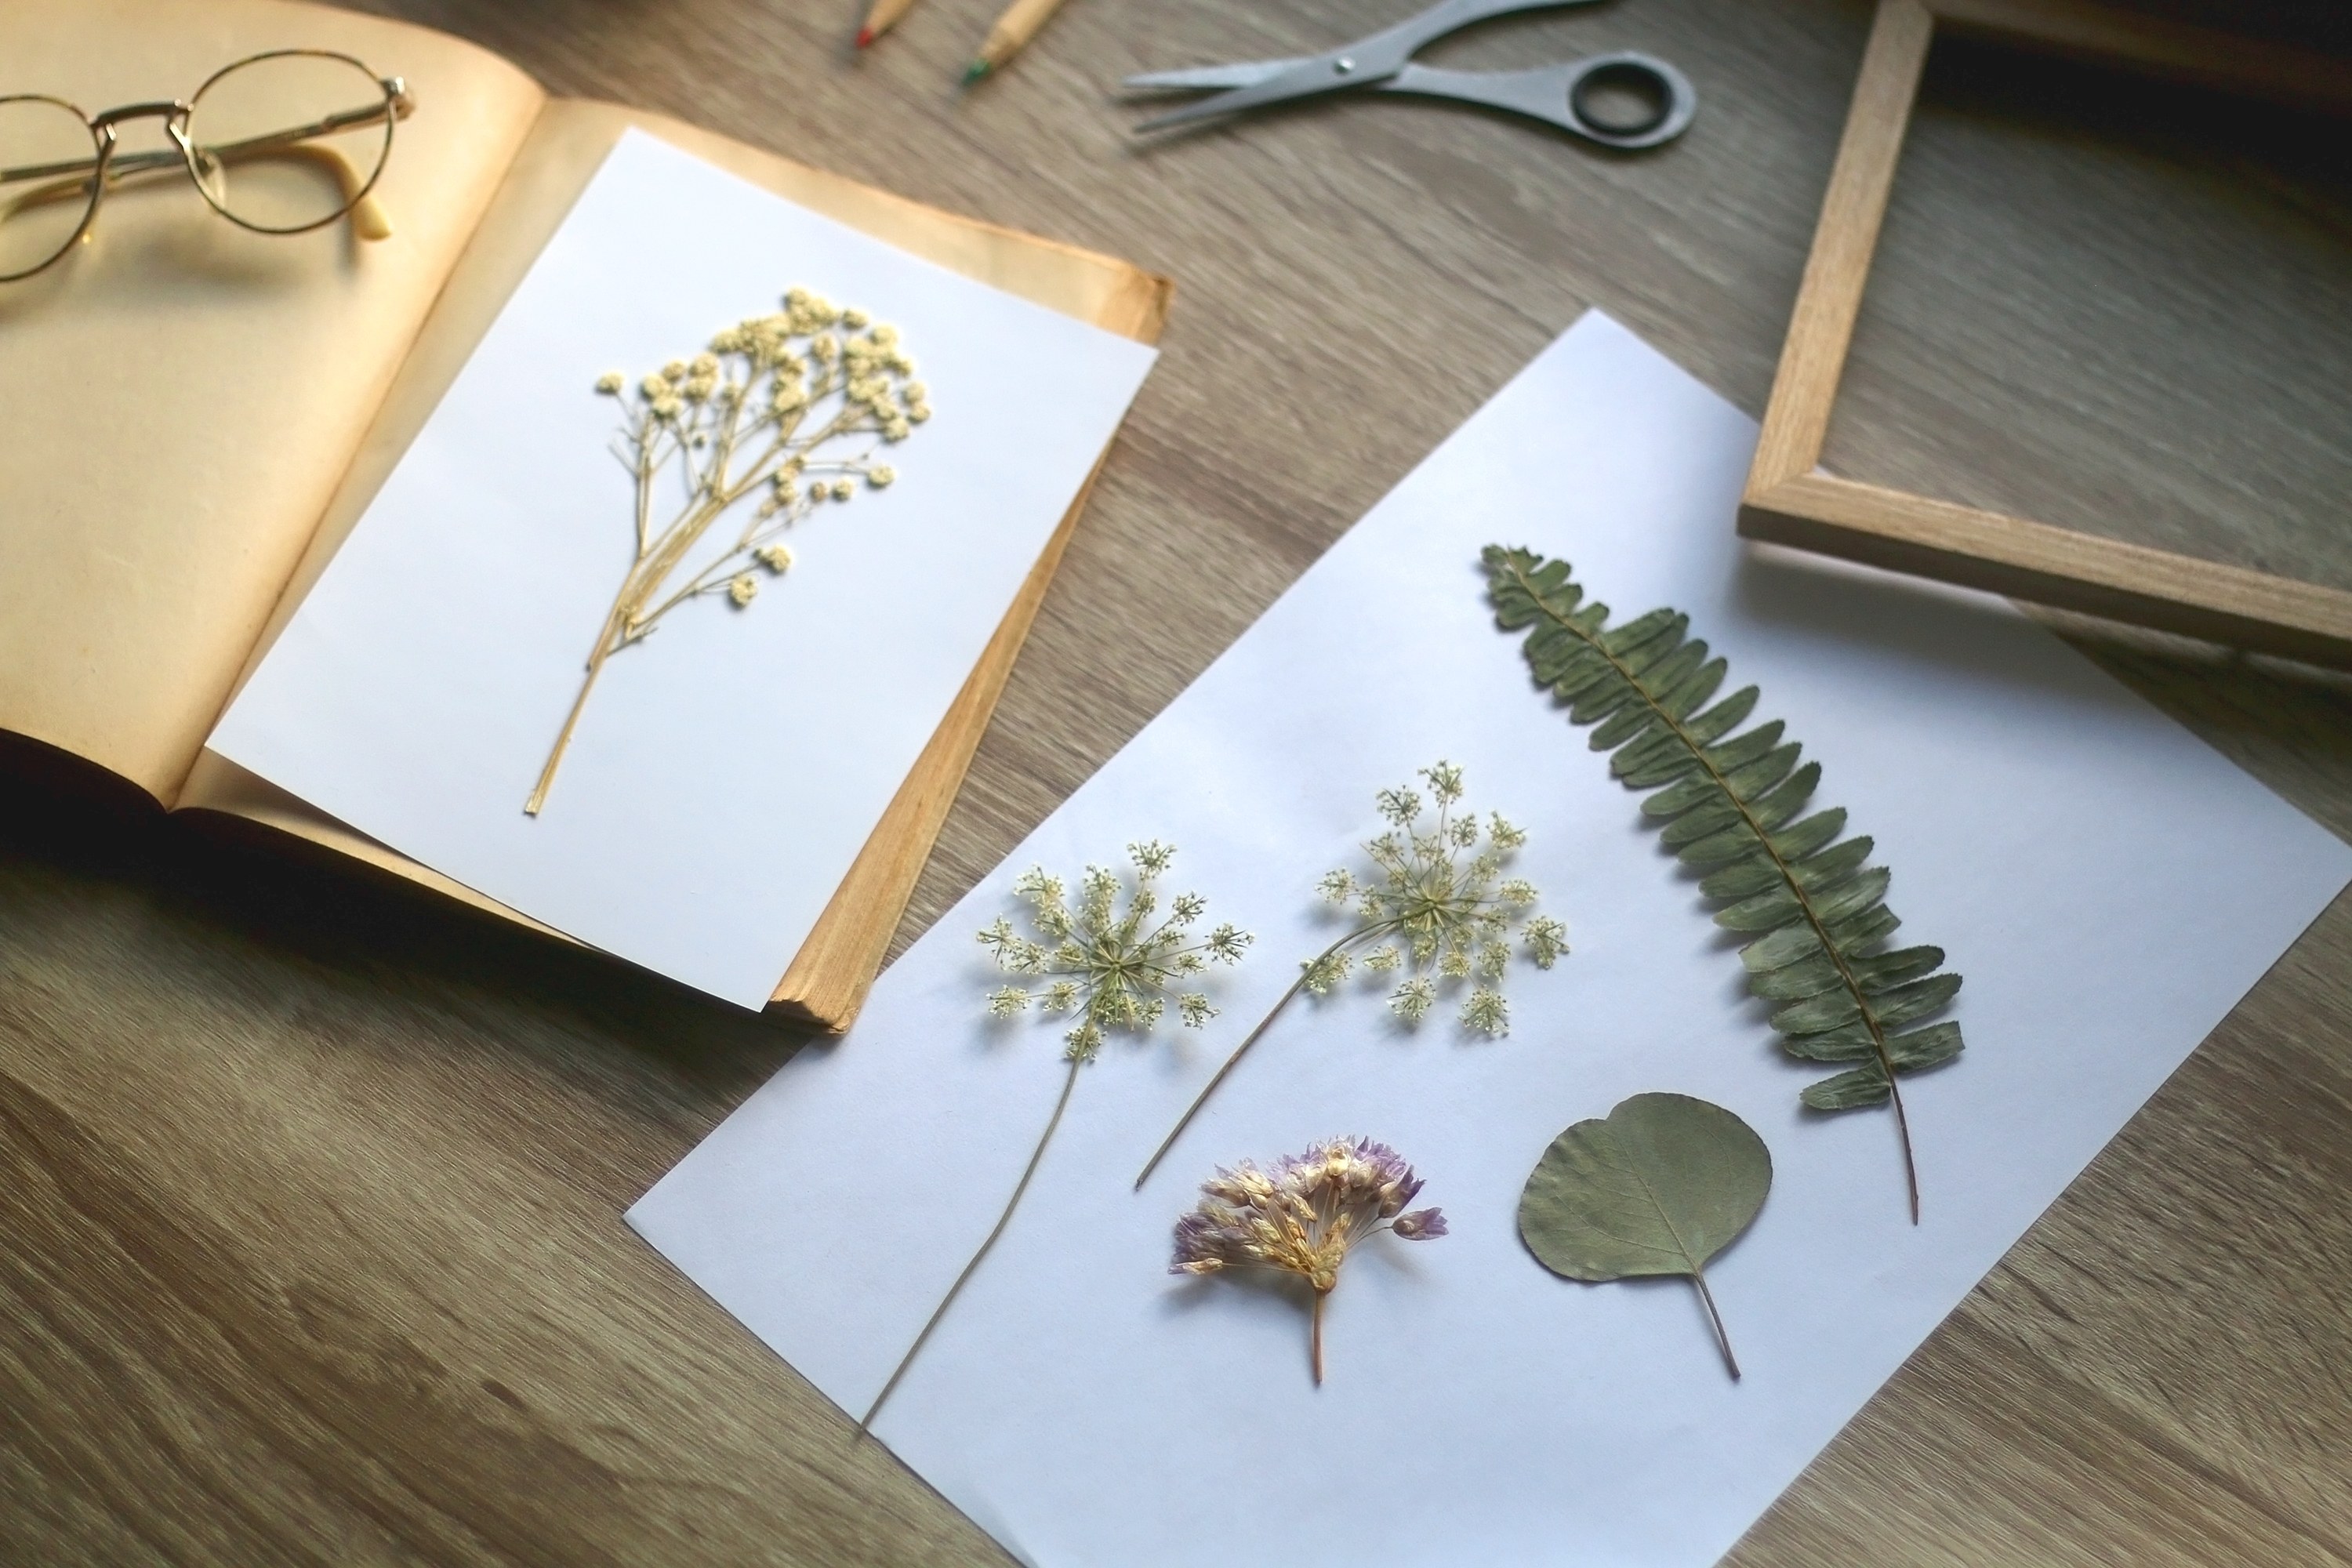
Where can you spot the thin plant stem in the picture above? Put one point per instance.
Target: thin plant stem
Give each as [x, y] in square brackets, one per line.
[1698, 1278]
[1069, 1082]
[723, 426]
[1315, 1336]
[1248, 1040]
[571, 720]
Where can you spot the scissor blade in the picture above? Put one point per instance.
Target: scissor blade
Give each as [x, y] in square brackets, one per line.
[1308, 78]
[1204, 79]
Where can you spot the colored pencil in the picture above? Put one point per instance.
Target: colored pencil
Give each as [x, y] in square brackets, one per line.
[882, 18]
[1013, 30]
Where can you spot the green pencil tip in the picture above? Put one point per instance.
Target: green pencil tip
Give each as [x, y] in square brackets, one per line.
[974, 72]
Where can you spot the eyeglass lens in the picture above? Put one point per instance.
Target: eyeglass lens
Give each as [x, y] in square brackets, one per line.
[47, 181]
[287, 143]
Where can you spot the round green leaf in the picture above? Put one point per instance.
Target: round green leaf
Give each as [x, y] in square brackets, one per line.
[1661, 1186]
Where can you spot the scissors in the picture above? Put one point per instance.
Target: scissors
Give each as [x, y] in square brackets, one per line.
[1559, 95]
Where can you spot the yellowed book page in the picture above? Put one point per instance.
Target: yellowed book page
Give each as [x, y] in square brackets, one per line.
[827, 980]
[184, 396]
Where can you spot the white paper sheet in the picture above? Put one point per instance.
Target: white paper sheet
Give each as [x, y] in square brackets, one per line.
[2109, 886]
[728, 770]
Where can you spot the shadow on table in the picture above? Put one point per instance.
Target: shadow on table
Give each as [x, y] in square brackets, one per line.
[73, 827]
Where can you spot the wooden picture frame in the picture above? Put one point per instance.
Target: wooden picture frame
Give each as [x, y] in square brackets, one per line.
[1790, 500]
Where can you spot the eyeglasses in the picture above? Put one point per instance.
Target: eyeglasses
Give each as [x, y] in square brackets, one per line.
[280, 142]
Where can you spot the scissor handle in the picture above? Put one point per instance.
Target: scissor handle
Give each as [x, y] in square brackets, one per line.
[1558, 94]
[1393, 47]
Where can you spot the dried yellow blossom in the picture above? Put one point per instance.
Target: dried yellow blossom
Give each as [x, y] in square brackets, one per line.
[739, 422]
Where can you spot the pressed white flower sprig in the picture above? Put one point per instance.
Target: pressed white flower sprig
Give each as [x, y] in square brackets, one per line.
[1302, 1216]
[790, 407]
[1437, 911]
[1113, 970]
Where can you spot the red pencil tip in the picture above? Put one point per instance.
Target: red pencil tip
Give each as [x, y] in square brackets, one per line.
[865, 37]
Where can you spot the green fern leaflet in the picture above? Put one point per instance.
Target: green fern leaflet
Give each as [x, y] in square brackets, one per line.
[1733, 806]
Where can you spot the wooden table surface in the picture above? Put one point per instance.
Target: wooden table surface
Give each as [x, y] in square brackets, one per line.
[312, 1192]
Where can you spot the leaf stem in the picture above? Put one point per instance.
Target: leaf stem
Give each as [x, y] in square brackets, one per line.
[1698, 1278]
[1787, 876]
[1305, 973]
[1069, 1082]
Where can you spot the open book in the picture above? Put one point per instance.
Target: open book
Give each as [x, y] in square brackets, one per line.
[313, 531]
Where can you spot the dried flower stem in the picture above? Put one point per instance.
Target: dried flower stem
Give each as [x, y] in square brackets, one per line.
[1113, 970]
[1449, 914]
[1315, 1336]
[766, 406]
[1037, 1155]
[1307, 972]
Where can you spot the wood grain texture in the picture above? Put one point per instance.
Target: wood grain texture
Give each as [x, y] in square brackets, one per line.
[2033, 561]
[312, 1189]
[1837, 269]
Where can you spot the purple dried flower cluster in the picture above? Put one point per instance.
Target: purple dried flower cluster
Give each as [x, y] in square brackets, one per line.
[1303, 1215]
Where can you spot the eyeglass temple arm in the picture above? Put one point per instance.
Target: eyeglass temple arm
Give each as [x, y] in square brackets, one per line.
[369, 220]
[75, 187]
[396, 96]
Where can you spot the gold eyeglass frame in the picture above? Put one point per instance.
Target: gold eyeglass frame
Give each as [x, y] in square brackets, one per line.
[104, 168]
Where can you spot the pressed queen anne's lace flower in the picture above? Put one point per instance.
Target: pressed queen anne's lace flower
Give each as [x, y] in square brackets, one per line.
[1440, 905]
[1302, 1216]
[1436, 910]
[1110, 968]
[1113, 969]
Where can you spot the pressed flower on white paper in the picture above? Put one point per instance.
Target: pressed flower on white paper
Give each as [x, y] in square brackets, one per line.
[781, 414]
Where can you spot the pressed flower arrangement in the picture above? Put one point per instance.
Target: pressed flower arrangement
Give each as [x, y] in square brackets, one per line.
[789, 408]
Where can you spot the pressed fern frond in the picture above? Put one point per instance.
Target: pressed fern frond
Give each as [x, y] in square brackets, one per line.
[1732, 804]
